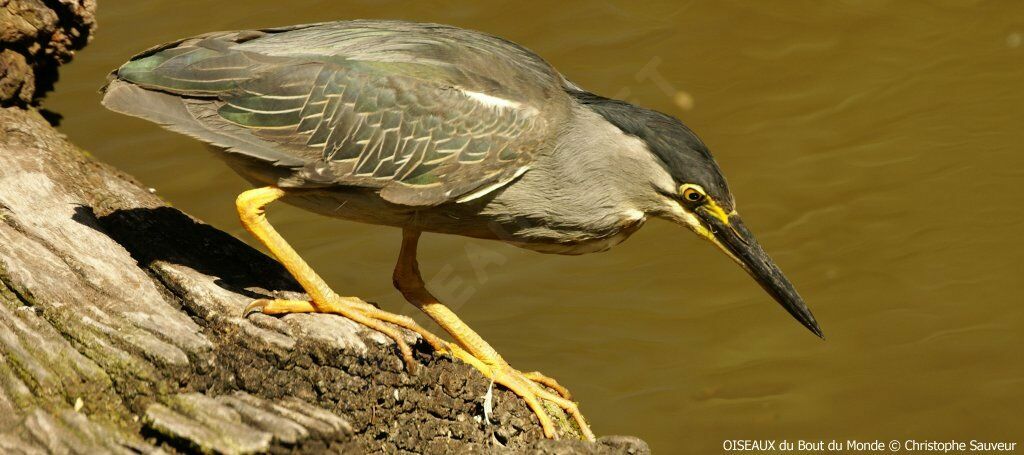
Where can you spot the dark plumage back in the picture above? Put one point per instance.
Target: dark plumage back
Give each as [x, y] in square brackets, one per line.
[422, 113]
[683, 154]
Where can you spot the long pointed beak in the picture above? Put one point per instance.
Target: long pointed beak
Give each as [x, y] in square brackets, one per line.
[743, 247]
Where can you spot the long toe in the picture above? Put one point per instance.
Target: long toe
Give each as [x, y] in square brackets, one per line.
[277, 306]
[535, 389]
[357, 310]
[536, 394]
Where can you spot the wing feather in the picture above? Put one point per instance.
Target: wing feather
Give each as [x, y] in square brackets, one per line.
[424, 113]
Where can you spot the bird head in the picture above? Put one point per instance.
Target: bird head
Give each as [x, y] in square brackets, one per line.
[699, 199]
[690, 190]
[708, 210]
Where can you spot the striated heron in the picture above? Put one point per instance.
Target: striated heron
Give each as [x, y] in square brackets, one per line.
[434, 128]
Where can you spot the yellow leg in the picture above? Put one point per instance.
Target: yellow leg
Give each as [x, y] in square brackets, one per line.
[476, 352]
[322, 299]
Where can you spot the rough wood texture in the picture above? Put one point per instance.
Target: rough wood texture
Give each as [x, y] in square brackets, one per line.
[36, 36]
[120, 329]
[120, 324]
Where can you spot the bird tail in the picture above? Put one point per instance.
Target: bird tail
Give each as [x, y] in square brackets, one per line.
[182, 114]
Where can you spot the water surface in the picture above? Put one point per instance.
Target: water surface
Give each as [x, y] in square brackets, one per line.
[874, 147]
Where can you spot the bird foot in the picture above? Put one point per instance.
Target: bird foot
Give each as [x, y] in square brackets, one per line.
[359, 311]
[532, 387]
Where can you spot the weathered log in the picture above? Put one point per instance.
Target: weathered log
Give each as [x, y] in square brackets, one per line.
[121, 327]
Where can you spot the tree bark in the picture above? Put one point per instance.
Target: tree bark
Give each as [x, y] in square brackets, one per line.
[36, 37]
[121, 327]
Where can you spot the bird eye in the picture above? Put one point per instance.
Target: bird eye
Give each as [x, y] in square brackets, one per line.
[693, 195]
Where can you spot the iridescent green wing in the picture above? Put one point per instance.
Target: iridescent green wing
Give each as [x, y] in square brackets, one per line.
[419, 114]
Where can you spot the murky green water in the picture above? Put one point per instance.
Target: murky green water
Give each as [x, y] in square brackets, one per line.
[875, 148]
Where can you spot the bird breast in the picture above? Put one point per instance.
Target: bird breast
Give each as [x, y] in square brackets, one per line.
[628, 223]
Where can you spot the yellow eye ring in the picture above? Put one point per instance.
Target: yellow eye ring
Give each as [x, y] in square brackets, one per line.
[691, 194]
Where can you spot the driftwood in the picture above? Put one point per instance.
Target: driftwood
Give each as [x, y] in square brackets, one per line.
[121, 327]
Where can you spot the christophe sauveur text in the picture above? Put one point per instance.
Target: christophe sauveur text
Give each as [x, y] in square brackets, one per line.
[854, 445]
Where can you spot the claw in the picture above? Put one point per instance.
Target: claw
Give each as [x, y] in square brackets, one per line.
[531, 390]
[256, 306]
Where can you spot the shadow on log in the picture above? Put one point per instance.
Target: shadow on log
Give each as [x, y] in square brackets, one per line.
[121, 327]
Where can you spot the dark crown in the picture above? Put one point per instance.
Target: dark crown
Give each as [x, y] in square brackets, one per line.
[682, 153]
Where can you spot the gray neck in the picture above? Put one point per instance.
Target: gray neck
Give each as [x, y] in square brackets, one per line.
[595, 181]
[606, 164]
